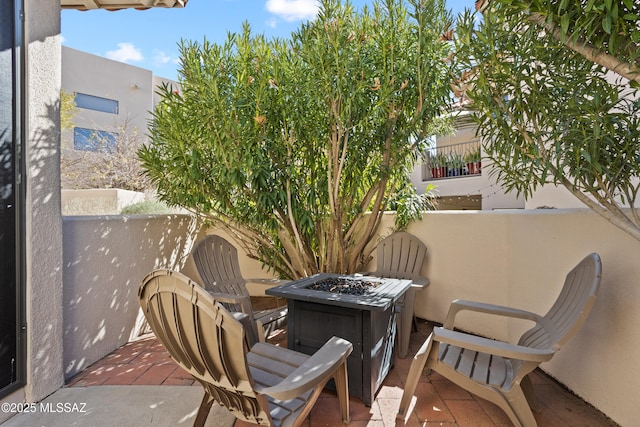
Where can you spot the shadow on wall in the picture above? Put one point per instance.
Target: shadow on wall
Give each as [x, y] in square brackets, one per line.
[105, 258]
[43, 234]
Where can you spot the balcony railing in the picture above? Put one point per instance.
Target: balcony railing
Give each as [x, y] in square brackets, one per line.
[452, 161]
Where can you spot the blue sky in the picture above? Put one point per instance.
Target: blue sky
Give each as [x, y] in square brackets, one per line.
[149, 39]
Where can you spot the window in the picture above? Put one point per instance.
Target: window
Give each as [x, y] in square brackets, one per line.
[94, 140]
[96, 103]
[12, 335]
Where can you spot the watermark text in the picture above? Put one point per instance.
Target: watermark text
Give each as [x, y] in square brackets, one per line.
[44, 407]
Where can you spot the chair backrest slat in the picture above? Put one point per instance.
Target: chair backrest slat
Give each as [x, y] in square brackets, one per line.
[216, 260]
[400, 256]
[204, 339]
[570, 309]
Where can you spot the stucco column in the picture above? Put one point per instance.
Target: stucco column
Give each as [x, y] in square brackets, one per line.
[43, 218]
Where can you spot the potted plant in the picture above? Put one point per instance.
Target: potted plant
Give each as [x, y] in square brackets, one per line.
[473, 160]
[430, 161]
[455, 164]
[438, 168]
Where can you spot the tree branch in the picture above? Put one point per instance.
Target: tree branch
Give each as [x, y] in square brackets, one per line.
[590, 52]
[619, 220]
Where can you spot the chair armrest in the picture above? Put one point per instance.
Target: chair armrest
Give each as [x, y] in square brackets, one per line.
[268, 316]
[485, 345]
[460, 305]
[420, 282]
[246, 321]
[267, 282]
[314, 371]
[242, 300]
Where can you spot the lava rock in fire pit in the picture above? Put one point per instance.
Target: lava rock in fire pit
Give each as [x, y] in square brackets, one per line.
[344, 285]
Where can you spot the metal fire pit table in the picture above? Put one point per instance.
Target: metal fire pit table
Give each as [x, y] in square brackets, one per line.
[368, 321]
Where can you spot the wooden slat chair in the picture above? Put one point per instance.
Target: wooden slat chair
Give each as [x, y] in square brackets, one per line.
[216, 260]
[263, 384]
[400, 256]
[498, 371]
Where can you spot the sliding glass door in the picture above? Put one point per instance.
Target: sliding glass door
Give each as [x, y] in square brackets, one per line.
[12, 354]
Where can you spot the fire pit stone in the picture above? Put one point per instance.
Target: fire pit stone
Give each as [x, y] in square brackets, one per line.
[346, 285]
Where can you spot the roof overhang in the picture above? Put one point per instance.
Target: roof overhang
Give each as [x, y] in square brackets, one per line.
[119, 4]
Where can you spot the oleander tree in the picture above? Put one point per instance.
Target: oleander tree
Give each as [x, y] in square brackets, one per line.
[298, 146]
[555, 85]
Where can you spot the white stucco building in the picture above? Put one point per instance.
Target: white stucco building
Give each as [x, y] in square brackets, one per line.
[109, 95]
[462, 186]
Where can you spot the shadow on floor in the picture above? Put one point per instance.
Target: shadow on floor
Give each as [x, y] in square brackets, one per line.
[440, 402]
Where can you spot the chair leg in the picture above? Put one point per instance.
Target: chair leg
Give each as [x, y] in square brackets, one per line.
[342, 388]
[259, 331]
[517, 409]
[203, 411]
[529, 393]
[406, 322]
[415, 372]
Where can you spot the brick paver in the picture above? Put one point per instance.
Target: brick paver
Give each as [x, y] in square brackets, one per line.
[439, 402]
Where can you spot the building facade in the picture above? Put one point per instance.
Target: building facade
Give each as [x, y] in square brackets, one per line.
[113, 104]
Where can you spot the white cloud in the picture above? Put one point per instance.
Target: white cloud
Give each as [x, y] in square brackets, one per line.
[126, 52]
[162, 58]
[293, 10]
[272, 22]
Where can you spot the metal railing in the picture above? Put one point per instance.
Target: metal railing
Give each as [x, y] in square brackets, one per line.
[452, 161]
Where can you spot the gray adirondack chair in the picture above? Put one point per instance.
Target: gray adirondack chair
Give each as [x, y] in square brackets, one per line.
[257, 382]
[400, 256]
[216, 260]
[498, 371]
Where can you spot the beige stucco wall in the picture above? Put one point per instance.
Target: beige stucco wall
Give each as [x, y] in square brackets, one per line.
[516, 258]
[520, 258]
[105, 259]
[493, 195]
[98, 201]
[43, 224]
[43, 219]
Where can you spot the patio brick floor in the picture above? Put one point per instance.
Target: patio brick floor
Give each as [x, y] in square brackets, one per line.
[440, 402]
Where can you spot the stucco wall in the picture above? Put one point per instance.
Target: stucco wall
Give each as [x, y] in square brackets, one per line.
[43, 219]
[520, 259]
[515, 258]
[98, 201]
[105, 258]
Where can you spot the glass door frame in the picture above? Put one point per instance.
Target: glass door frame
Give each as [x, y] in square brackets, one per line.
[19, 183]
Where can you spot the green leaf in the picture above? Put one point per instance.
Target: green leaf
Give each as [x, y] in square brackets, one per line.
[564, 23]
[589, 6]
[606, 24]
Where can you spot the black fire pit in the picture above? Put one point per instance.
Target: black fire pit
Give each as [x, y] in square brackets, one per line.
[346, 285]
[357, 308]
